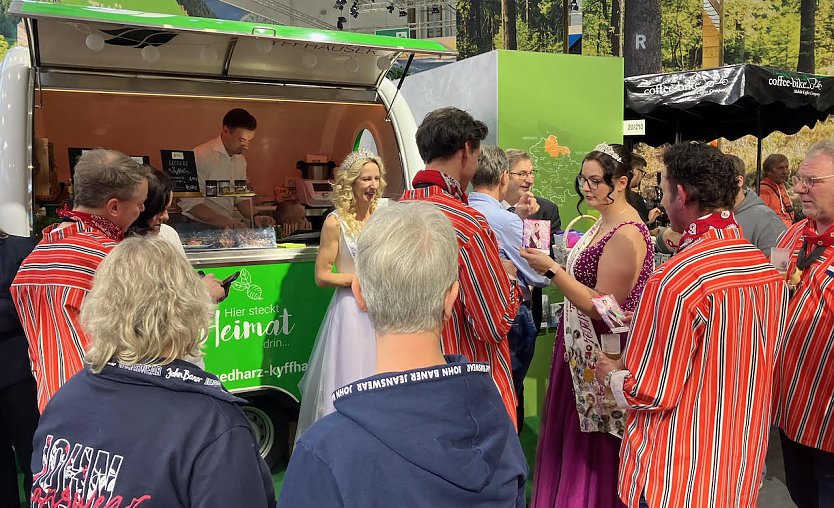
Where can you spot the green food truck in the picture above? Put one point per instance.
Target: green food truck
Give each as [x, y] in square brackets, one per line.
[154, 84]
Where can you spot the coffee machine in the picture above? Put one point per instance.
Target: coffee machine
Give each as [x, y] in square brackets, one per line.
[315, 191]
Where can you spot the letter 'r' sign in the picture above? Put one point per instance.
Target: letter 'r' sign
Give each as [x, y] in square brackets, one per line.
[640, 43]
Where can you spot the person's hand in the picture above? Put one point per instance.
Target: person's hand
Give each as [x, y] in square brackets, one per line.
[671, 239]
[538, 260]
[527, 205]
[605, 365]
[215, 289]
[510, 268]
[628, 316]
[264, 221]
[654, 213]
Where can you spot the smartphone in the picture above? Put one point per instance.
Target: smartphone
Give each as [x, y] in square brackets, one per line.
[227, 282]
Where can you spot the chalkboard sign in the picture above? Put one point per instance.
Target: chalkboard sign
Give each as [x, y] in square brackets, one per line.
[182, 168]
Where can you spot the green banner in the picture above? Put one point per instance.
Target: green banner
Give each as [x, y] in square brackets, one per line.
[264, 331]
[558, 108]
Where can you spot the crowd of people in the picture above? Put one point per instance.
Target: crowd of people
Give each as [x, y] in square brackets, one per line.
[414, 391]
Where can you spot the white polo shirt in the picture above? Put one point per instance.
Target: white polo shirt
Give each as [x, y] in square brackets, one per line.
[214, 163]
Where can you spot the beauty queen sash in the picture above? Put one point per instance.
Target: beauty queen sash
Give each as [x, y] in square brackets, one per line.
[595, 405]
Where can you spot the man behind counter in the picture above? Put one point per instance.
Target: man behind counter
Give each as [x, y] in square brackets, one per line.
[222, 159]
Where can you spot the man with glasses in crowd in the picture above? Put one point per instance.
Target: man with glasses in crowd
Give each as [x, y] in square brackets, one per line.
[489, 186]
[519, 194]
[805, 386]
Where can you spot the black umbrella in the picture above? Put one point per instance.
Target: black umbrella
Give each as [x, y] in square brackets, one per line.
[728, 102]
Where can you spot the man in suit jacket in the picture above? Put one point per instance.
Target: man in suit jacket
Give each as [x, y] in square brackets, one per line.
[522, 177]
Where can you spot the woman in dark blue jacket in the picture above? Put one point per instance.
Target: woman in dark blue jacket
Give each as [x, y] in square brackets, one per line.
[140, 426]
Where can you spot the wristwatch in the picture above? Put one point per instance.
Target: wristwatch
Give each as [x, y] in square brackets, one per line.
[550, 273]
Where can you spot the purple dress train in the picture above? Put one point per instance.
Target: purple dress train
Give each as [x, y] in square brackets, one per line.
[576, 469]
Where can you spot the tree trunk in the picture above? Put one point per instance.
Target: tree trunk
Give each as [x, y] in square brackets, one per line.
[614, 35]
[641, 47]
[807, 22]
[508, 17]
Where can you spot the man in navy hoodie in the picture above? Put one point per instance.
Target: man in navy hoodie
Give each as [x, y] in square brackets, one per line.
[427, 429]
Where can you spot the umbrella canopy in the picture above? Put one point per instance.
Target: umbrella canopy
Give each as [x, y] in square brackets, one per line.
[728, 102]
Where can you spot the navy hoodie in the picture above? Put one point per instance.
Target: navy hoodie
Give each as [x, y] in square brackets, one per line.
[147, 436]
[430, 437]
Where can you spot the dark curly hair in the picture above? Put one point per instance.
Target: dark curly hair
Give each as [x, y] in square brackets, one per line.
[611, 170]
[707, 175]
[444, 131]
[159, 192]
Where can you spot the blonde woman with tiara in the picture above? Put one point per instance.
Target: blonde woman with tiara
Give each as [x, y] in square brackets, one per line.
[345, 348]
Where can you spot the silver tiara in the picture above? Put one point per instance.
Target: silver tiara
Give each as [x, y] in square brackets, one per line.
[352, 157]
[609, 151]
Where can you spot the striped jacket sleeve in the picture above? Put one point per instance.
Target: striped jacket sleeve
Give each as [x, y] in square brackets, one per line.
[489, 298]
[661, 349]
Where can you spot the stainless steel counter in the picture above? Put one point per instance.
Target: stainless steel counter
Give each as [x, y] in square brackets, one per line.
[226, 257]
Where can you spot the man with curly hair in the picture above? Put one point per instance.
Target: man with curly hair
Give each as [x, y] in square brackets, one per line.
[697, 373]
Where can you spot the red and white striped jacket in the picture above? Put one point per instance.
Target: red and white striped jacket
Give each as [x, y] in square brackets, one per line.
[699, 376]
[48, 291]
[805, 384]
[488, 301]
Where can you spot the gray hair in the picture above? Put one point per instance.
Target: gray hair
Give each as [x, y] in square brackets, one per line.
[101, 175]
[147, 305]
[514, 156]
[491, 163]
[406, 261]
[826, 146]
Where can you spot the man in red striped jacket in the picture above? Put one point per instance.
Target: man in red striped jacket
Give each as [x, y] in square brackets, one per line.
[110, 191]
[449, 141]
[697, 372]
[805, 382]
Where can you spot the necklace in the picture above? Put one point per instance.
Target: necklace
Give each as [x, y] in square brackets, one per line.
[604, 223]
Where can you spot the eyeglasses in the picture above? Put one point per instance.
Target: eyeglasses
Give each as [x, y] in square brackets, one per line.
[523, 174]
[593, 183]
[808, 181]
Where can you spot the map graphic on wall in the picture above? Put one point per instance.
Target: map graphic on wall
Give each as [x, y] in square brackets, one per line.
[555, 166]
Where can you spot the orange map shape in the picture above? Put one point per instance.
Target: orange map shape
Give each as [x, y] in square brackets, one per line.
[551, 146]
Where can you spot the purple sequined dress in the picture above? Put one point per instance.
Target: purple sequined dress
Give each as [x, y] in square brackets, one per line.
[576, 469]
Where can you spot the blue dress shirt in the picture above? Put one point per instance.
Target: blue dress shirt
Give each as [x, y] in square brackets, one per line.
[508, 228]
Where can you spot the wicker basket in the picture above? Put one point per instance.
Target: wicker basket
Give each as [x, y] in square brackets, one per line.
[570, 226]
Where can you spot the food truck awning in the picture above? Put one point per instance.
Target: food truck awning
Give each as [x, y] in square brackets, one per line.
[729, 102]
[67, 37]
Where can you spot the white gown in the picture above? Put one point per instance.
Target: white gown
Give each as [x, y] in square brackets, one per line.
[345, 348]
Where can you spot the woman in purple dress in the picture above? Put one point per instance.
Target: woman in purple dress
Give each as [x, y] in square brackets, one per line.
[581, 429]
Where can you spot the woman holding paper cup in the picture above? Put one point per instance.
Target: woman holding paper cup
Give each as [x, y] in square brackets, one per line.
[579, 442]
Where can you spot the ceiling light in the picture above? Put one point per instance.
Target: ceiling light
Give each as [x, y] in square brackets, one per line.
[94, 42]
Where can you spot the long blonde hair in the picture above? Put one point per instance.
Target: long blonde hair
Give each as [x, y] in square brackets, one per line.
[346, 175]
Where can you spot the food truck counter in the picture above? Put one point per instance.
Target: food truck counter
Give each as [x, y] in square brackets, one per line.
[236, 257]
